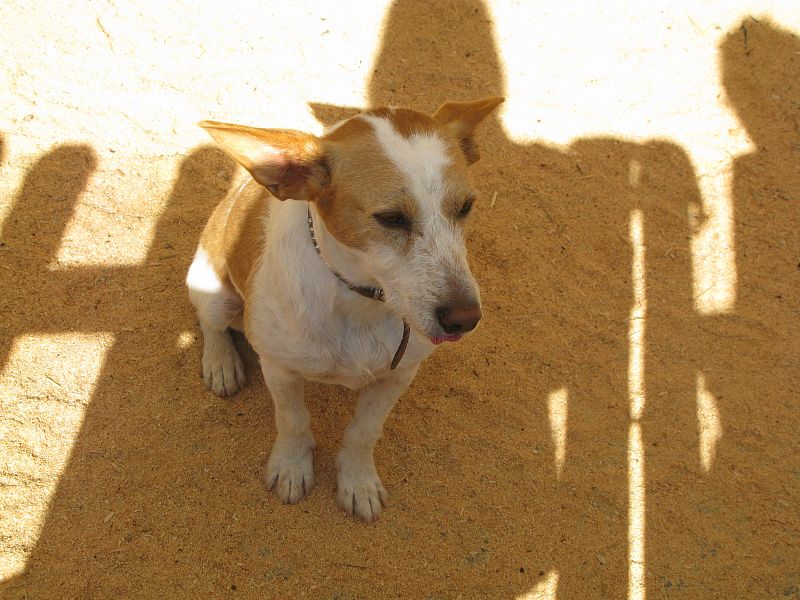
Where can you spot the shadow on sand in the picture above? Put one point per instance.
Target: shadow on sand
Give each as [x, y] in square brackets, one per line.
[478, 508]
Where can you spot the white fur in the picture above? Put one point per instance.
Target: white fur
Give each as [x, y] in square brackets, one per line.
[306, 325]
[421, 158]
[312, 324]
[201, 277]
[217, 307]
[436, 269]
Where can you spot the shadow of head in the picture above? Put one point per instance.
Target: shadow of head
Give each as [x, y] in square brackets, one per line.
[203, 176]
[428, 47]
[760, 66]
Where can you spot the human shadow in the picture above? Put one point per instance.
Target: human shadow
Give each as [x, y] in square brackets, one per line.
[553, 255]
[737, 525]
[562, 221]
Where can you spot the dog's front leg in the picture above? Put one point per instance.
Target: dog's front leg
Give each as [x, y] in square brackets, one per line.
[290, 470]
[359, 489]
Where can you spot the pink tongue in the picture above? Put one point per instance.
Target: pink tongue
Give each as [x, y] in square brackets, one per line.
[450, 337]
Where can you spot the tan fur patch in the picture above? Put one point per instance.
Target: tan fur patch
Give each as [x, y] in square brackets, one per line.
[234, 236]
[457, 182]
[244, 235]
[461, 118]
[212, 240]
[285, 161]
[407, 122]
[364, 181]
[348, 131]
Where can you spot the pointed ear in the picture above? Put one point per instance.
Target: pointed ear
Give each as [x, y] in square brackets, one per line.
[290, 164]
[330, 114]
[461, 118]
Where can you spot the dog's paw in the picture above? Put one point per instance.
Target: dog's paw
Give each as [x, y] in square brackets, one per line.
[359, 490]
[289, 473]
[223, 370]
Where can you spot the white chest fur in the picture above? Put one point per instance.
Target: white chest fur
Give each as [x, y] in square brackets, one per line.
[301, 316]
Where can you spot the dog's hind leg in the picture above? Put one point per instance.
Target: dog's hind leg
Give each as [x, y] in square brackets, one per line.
[218, 306]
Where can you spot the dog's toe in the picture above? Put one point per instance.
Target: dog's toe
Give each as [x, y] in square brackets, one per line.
[361, 495]
[223, 370]
[290, 472]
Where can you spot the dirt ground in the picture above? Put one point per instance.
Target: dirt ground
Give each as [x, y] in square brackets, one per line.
[624, 423]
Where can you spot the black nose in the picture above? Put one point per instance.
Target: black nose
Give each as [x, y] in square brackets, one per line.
[459, 319]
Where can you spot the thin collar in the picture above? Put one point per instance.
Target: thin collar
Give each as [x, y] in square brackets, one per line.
[373, 293]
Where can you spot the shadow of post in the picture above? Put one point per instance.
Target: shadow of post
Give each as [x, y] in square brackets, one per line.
[122, 441]
[32, 234]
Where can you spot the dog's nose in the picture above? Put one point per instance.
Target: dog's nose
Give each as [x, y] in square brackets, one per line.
[459, 319]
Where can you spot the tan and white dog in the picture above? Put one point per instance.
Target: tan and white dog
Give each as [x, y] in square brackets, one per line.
[299, 255]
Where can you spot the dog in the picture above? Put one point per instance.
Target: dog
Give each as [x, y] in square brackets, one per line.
[343, 260]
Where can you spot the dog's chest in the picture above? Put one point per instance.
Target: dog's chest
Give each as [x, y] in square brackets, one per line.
[351, 352]
[299, 315]
[343, 348]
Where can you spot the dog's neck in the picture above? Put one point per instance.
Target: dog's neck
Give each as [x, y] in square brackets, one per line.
[372, 292]
[338, 257]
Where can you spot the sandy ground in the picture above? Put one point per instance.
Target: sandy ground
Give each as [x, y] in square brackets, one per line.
[623, 424]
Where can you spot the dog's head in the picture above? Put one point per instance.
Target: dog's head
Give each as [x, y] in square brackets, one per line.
[391, 186]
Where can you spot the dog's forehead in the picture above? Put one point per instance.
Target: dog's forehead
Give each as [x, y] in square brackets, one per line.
[406, 146]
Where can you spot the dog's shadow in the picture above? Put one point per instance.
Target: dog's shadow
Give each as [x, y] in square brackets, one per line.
[161, 495]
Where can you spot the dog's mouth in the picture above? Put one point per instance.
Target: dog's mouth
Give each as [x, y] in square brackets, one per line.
[448, 337]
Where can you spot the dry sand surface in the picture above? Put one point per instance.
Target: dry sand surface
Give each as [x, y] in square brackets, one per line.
[624, 424]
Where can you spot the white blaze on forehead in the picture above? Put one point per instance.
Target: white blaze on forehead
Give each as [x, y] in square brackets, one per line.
[421, 158]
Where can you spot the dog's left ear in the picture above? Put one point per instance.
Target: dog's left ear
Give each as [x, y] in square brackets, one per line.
[461, 118]
[288, 163]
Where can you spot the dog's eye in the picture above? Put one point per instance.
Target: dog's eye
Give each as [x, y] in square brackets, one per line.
[466, 207]
[393, 220]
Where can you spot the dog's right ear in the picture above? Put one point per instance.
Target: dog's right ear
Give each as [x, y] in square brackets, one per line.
[288, 163]
[461, 118]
